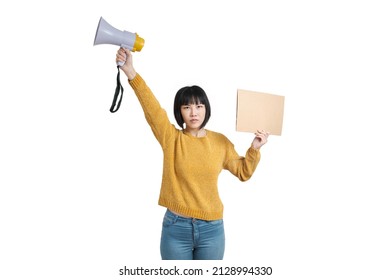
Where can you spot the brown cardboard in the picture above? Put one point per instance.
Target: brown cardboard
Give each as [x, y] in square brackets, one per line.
[259, 111]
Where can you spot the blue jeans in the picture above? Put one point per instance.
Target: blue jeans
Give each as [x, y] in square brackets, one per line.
[191, 239]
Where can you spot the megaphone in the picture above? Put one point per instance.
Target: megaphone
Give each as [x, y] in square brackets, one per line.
[107, 34]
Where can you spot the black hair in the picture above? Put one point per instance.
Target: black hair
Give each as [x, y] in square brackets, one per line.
[190, 95]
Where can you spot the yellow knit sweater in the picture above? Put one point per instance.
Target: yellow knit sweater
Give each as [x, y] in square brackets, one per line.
[191, 165]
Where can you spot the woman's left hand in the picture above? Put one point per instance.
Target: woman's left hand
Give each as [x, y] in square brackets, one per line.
[261, 137]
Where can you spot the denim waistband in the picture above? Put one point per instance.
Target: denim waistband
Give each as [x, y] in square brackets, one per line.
[172, 215]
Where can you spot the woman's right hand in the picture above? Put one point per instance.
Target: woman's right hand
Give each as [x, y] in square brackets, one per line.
[124, 55]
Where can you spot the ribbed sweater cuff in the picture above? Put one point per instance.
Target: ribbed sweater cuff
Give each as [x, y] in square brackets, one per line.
[253, 151]
[137, 81]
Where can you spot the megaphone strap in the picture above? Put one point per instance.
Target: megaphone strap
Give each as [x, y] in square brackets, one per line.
[118, 92]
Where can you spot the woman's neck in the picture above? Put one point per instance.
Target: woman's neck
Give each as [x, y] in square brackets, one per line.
[197, 132]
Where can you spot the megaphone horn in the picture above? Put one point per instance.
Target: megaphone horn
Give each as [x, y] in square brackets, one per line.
[107, 34]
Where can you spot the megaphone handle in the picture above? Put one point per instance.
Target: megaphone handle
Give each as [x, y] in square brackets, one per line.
[120, 63]
[118, 90]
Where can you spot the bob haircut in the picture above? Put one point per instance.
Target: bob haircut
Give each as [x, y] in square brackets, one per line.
[191, 95]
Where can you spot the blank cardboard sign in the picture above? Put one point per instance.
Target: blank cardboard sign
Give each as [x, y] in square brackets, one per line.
[258, 111]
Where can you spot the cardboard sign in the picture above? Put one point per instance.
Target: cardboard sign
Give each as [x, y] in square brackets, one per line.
[258, 111]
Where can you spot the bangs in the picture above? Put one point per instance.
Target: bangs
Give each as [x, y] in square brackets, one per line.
[192, 96]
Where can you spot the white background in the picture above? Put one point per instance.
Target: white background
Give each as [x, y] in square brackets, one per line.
[79, 185]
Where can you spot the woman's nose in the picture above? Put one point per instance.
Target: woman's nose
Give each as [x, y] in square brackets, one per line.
[193, 111]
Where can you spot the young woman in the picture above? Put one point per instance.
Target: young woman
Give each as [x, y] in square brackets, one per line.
[193, 158]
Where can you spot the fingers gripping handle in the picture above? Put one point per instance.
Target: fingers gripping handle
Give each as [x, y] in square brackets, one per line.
[121, 63]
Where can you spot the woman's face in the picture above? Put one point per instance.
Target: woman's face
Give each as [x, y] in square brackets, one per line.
[193, 115]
